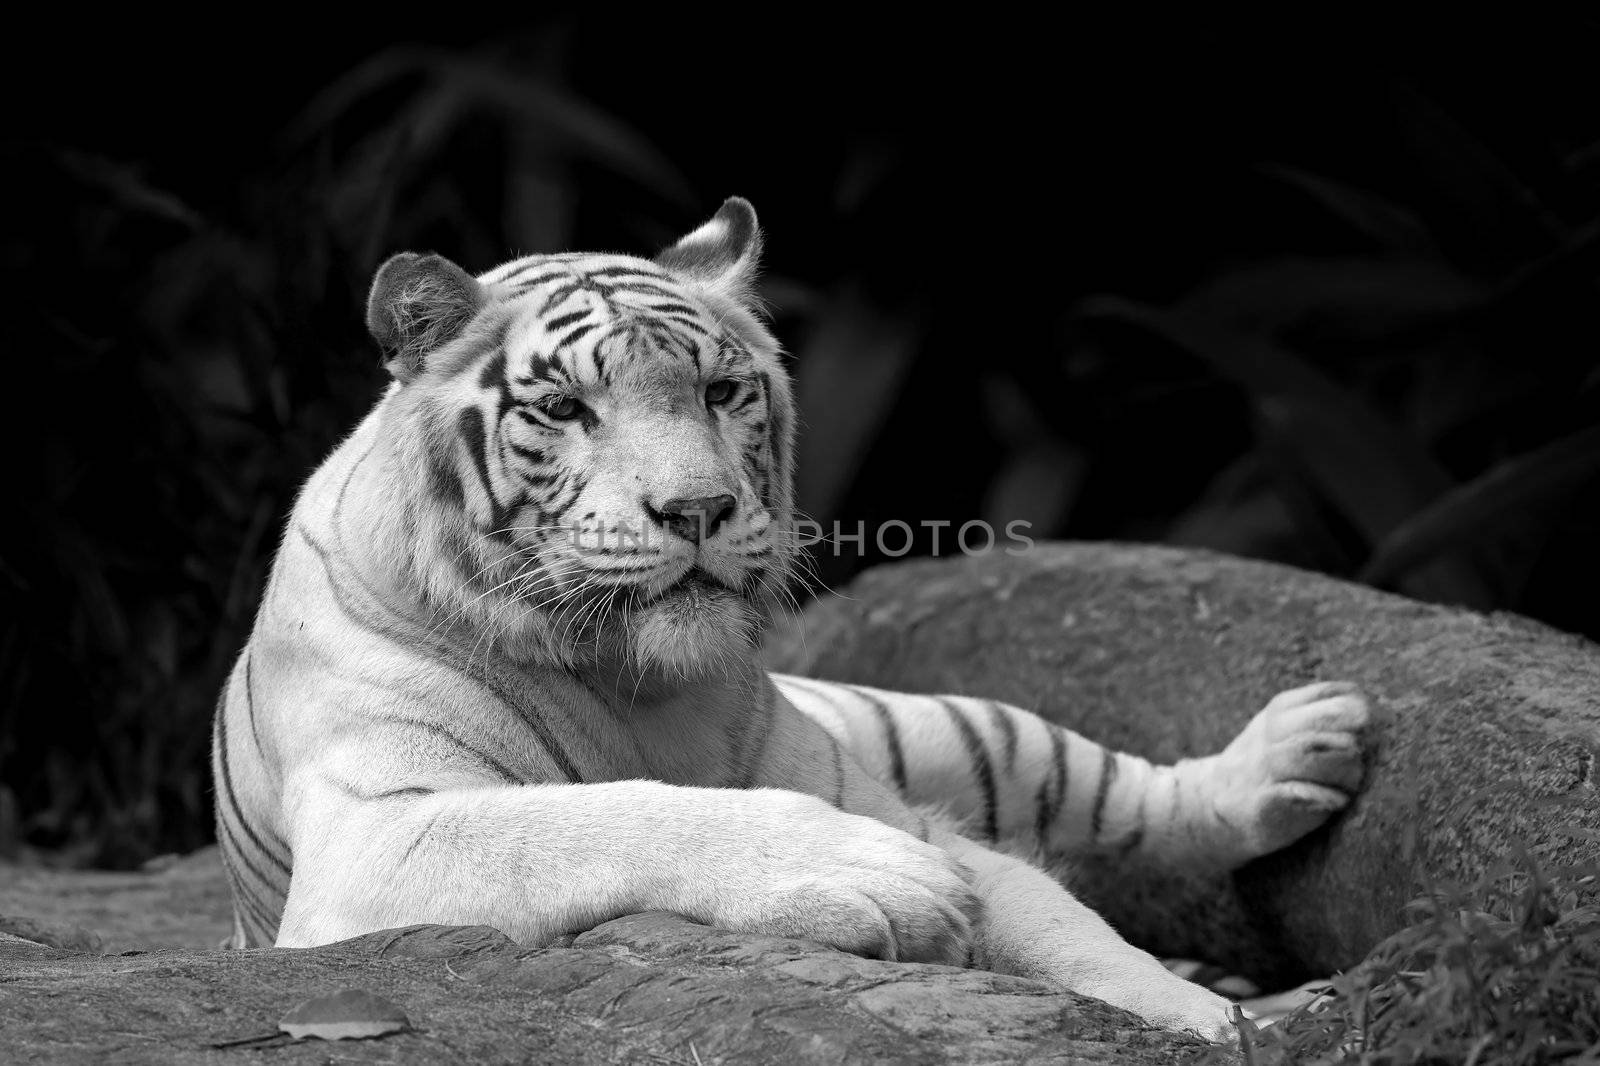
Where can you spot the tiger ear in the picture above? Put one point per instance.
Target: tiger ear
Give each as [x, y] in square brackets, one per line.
[723, 254]
[418, 304]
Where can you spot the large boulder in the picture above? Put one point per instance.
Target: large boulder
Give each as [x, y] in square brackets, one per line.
[1484, 721]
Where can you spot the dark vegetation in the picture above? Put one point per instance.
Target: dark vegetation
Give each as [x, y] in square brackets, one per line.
[1317, 300]
[1502, 972]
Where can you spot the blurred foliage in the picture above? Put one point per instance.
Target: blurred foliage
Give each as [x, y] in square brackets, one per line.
[1330, 308]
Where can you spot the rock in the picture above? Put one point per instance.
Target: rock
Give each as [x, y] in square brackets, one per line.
[183, 904]
[1490, 724]
[648, 988]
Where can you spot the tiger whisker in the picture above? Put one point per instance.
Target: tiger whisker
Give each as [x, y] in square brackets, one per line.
[520, 577]
[532, 584]
[595, 608]
[507, 607]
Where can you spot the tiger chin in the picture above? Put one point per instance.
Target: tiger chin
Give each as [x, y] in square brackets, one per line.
[694, 629]
[503, 672]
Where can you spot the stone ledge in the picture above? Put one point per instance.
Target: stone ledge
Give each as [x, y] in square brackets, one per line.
[647, 988]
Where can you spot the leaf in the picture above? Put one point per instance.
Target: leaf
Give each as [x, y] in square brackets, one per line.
[848, 371]
[1473, 511]
[1349, 301]
[528, 105]
[1573, 262]
[350, 1014]
[1385, 223]
[1042, 474]
[128, 189]
[1470, 188]
[1375, 474]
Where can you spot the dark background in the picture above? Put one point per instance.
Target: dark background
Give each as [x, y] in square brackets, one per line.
[1320, 294]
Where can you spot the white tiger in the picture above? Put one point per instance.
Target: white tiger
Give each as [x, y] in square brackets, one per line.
[504, 670]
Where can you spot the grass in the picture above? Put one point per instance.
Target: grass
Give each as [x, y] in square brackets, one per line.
[1504, 972]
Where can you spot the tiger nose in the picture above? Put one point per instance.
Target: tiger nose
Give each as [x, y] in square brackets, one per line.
[694, 518]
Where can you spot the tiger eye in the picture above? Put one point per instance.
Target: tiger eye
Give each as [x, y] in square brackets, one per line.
[564, 409]
[719, 392]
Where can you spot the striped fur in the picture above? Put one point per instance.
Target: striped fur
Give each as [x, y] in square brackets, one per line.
[499, 676]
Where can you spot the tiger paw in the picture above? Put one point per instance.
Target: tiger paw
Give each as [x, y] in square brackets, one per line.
[1167, 1001]
[804, 869]
[1296, 764]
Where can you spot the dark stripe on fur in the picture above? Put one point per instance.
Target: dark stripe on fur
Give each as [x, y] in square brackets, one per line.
[523, 285]
[493, 374]
[618, 273]
[488, 761]
[228, 796]
[646, 288]
[560, 322]
[673, 307]
[689, 323]
[246, 897]
[471, 426]
[1108, 772]
[421, 833]
[891, 737]
[1001, 717]
[1053, 789]
[250, 704]
[557, 297]
[444, 483]
[576, 334]
[838, 770]
[247, 907]
[982, 769]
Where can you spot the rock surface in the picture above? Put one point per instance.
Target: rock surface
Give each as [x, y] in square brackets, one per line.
[648, 988]
[174, 903]
[1490, 725]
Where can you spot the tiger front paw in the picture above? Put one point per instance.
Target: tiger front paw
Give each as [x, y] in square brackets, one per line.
[1297, 762]
[844, 880]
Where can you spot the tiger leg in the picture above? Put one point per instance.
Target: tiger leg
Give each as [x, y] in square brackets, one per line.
[536, 861]
[1009, 774]
[1031, 926]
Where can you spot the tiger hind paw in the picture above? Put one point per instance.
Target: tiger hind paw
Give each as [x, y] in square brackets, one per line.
[1300, 760]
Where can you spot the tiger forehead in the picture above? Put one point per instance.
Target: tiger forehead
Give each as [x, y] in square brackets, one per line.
[604, 319]
[623, 280]
[588, 341]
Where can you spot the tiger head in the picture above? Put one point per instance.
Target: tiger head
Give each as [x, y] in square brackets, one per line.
[595, 450]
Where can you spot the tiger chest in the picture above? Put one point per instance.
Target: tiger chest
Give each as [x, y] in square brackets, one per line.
[704, 739]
